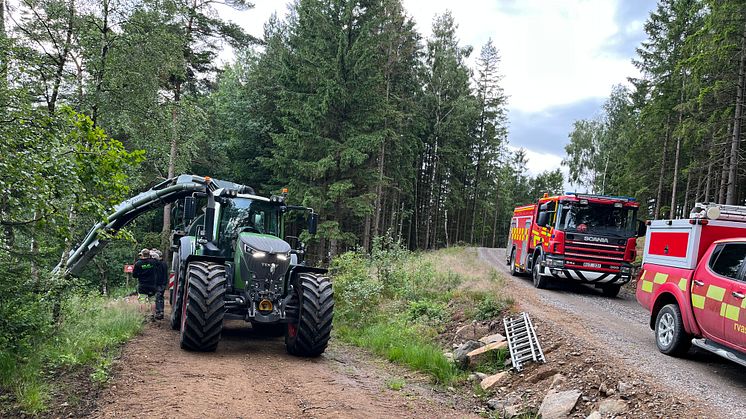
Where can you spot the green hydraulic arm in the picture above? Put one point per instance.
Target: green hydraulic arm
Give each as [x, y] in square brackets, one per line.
[158, 196]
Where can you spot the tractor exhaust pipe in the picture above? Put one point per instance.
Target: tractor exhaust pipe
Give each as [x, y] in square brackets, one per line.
[209, 212]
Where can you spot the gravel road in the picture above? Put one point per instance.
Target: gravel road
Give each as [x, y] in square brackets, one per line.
[621, 327]
[251, 376]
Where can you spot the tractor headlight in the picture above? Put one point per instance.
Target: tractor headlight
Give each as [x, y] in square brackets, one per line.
[282, 257]
[254, 253]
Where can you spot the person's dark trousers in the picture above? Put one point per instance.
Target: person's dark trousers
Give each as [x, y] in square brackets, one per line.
[159, 301]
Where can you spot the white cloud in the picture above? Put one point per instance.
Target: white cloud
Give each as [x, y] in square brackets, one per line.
[553, 52]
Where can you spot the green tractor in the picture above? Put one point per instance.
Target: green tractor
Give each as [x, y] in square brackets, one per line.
[239, 259]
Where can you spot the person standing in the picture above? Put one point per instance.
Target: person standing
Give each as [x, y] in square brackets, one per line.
[161, 282]
[145, 273]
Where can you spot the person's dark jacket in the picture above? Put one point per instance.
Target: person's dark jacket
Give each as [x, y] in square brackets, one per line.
[162, 274]
[145, 271]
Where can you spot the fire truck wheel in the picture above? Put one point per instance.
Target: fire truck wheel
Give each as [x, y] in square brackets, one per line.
[540, 281]
[513, 270]
[670, 335]
[611, 290]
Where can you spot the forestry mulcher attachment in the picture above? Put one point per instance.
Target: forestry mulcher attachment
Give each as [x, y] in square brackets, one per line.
[231, 262]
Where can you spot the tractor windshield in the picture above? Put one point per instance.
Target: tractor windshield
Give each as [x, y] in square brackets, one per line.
[247, 215]
[598, 219]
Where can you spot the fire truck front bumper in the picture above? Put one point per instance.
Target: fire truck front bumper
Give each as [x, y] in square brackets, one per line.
[592, 277]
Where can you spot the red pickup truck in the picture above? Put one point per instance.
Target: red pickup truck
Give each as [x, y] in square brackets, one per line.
[693, 281]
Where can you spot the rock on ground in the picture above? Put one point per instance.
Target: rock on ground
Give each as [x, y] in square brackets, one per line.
[558, 405]
[612, 407]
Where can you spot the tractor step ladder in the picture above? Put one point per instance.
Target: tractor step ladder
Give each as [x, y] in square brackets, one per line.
[522, 341]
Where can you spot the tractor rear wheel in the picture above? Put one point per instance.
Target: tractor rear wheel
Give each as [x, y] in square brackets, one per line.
[315, 300]
[203, 306]
[176, 306]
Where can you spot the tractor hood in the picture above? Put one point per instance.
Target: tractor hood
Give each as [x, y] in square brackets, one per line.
[265, 243]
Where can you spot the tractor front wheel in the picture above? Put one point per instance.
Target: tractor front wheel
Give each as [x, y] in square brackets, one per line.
[315, 301]
[203, 307]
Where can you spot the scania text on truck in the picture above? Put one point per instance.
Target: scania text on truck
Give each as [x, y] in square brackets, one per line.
[577, 237]
[693, 281]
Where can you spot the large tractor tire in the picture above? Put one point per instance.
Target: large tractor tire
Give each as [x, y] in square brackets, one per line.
[315, 302]
[203, 306]
[176, 306]
[176, 296]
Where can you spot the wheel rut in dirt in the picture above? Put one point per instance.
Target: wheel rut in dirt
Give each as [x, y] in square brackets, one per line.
[620, 328]
[251, 376]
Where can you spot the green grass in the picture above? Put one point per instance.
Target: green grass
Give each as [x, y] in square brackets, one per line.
[400, 343]
[396, 303]
[395, 383]
[91, 330]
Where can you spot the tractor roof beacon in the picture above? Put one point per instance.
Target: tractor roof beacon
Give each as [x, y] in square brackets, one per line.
[240, 259]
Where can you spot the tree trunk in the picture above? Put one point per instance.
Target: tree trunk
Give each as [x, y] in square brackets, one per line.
[674, 208]
[736, 138]
[686, 194]
[366, 233]
[101, 73]
[659, 195]
[62, 59]
[496, 209]
[166, 231]
[724, 177]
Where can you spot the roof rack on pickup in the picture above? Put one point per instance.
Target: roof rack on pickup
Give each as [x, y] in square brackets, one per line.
[718, 211]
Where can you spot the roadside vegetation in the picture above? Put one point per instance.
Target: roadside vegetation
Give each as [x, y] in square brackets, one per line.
[404, 305]
[81, 343]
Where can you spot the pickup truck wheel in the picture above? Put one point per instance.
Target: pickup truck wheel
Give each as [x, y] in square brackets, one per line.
[670, 336]
[611, 290]
[513, 270]
[540, 281]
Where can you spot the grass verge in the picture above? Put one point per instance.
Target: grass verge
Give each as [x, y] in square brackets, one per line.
[403, 306]
[87, 336]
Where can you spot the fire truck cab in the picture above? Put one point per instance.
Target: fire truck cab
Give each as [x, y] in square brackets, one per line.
[693, 281]
[577, 237]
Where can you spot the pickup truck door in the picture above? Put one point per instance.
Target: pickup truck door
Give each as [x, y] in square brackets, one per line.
[735, 311]
[712, 283]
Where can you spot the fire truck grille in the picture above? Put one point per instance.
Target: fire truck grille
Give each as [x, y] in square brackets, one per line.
[587, 255]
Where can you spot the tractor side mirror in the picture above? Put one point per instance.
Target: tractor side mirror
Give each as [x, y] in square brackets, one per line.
[190, 209]
[543, 219]
[642, 228]
[313, 223]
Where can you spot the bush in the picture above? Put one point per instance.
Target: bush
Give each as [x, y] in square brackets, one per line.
[356, 293]
[490, 306]
[428, 312]
[88, 329]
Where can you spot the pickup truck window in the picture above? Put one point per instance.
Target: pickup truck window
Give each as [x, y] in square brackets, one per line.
[727, 258]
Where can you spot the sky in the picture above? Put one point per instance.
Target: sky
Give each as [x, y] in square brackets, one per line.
[559, 58]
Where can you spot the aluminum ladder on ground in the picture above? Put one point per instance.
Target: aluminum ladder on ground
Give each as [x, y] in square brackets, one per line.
[522, 341]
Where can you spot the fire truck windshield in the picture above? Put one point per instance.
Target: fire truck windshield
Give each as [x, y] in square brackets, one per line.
[598, 219]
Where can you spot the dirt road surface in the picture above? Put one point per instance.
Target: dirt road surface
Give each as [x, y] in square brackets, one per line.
[620, 327]
[253, 377]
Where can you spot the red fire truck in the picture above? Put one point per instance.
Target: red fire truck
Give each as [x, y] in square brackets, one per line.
[693, 281]
[579, 237]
